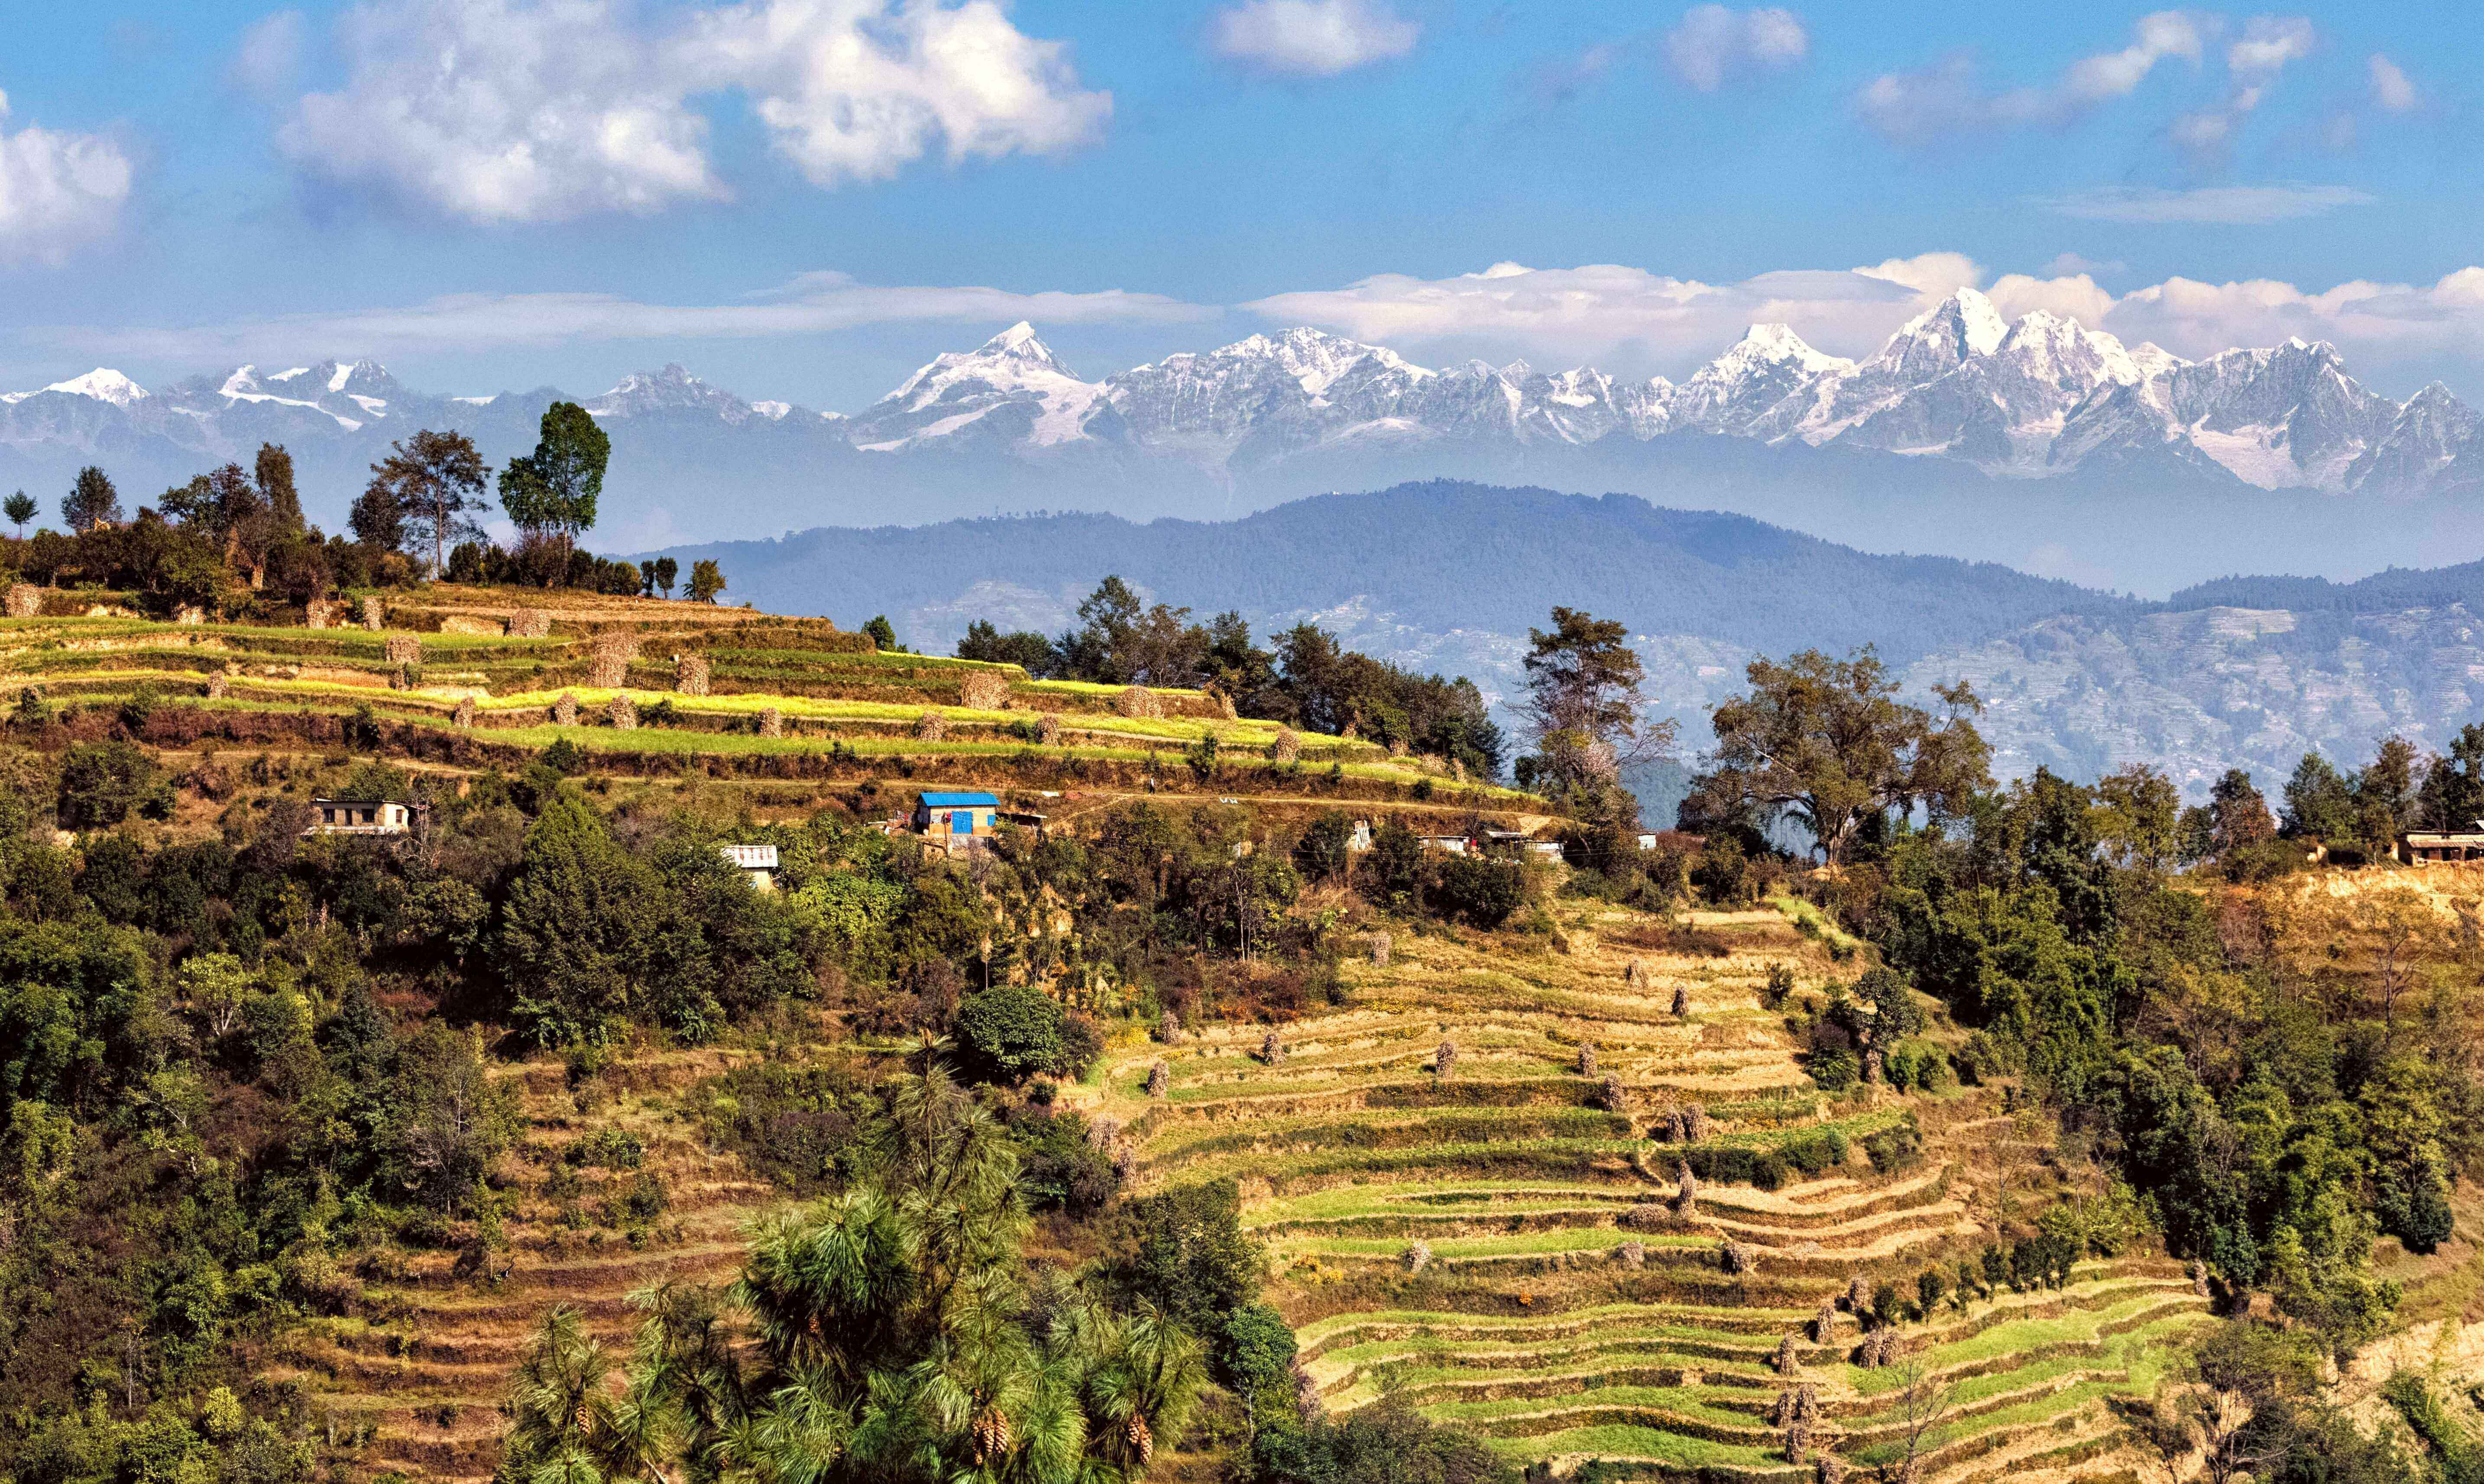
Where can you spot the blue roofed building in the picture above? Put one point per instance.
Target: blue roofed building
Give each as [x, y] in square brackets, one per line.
[955, 818]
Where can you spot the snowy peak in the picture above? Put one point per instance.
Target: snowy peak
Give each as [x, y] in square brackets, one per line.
[102, 383]
[1961, 327]
[670, 390]
[1019, 344]
[1010, 387]
[1776, 345]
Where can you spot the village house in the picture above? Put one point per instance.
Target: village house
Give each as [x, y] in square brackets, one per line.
[957, 820]
[361, 817]
[2427, 848]
[757, 864]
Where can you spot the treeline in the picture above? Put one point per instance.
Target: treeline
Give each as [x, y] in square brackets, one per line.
[1306, 678]
[234, 541]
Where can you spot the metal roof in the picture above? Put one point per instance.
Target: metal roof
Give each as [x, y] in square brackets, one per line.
[750, 858]
[960, 800]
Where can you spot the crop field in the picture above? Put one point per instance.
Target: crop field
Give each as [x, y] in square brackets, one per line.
[1505, 1243]
[692, 680]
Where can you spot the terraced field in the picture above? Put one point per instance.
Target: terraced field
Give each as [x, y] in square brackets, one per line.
[1511, 1244]
[412, 1374]
[664, 680]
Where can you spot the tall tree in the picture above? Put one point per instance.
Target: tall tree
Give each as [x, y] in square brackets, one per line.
[19, 509]
[2318, 801]
[2237, 814]
[550, 494]
[1583, 706]
[274, 472]
[437, 480]
[667, 573]
[1828, 743]
[91, 501]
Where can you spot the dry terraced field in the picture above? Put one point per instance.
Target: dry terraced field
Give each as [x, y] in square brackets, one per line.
[1504, 1247]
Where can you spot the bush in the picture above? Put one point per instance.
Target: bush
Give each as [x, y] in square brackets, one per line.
[1385, 1443]
[104, 783]
[1253, 1350]
[1482, 891]
[1835, 1070]
[1895, 1147]
[1011, 1033]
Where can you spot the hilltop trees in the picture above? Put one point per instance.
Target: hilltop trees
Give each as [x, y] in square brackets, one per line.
[434, 483]
[1583, 706]
[91, 501]
[20, 508]
[550, 494]
[1828, 743]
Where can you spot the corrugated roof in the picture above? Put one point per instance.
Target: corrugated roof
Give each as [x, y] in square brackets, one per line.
[960, 800]
[750, 858]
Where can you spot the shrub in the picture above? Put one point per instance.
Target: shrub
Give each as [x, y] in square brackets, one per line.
[1253, 1349]
[1011, 1033]
[1835, 1070]
[1895, 1147]
[1482, 891]
[104, 783]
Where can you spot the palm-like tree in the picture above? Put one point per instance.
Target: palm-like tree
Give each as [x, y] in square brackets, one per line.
[883, 1335]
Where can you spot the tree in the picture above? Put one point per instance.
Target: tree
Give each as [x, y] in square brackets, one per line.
[1026, 649]
[550, 494]
[573, 937]
[2237, 814]
[667, 572]
[707, 579]
[378, 518]
[1583, 706]
[274, 472]
[19, 509]
[91, 501]
[1919, 1407]
[1011, 1033]
[2452, 796]
[1828, 743]
[2318, 802]
[2139, 817]
[434, 480]
[646, 578]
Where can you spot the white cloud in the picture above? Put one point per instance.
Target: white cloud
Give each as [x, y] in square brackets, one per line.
[1313, 37]
[1944, 101]
[58, 191]
[2067, 264]
[2113, 75]
[1713, 43]
[270, 55]
[1624, 318]
[2252, 62]
[855, 89]
[2391, 88]
[1628, 320]
[2215, 206]
[813, 303]
[504, 111]
[544, 110]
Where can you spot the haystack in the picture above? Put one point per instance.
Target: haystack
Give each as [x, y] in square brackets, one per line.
[690, 674]
[1047, 729]
[464, 713]
[607, 666]
[622, 712]
[1140, 703]
[931, 726]
[771, 723]
[529, 624]
[983, 690]
[404, 649]
[564, 711]
[1287, 748]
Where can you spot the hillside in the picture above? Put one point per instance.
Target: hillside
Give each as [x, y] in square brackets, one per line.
[1450, 576]
[1508, 1246]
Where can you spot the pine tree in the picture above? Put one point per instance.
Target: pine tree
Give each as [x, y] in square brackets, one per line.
[91, 501]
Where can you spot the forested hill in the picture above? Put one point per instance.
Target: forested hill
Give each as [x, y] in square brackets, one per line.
[1442, 557]
[2382, 592]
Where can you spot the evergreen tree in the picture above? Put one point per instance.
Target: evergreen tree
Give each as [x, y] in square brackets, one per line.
[573, 939]
[91, 501]
[274, 472]
[19, 509]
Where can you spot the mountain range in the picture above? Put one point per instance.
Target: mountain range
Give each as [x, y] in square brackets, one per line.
[1449, 576]
[2036, 441]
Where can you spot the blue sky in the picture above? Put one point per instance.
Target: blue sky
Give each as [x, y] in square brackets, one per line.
[489, 194]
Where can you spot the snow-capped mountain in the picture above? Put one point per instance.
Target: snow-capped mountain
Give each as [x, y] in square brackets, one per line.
[1277, 415]
[1012, 390]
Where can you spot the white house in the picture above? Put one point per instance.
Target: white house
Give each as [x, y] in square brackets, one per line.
[756, 862]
